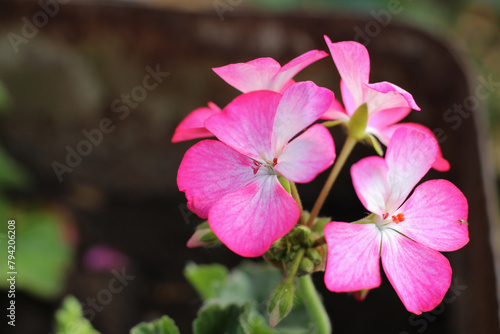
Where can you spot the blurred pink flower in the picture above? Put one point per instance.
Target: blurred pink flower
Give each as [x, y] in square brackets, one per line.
[408, 236]
[104, 258]
[234, 183]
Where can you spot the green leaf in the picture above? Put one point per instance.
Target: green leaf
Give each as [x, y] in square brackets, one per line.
[42, 255]
[70, 319]
[208, 280]
[215, 319]
[164, 325]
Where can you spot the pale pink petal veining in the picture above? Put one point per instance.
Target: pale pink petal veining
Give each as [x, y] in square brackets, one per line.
[353, 257]
[249, 220]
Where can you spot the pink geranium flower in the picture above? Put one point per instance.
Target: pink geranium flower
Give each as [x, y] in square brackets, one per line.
[266, 73]
[234, 183]
[407, 236]
[387, 103]
[258, 74]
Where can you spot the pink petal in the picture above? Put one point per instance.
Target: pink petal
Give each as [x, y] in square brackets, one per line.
[249, 220]
[210, 170]
[353, 63]
[441, 164]
[193, 126]
[387, 117]
[353, 257]
[302, 104]
[307, 155]
[409, 156]
[246, 123]
[369, 177]
[348, 99]
[421, 276]
[287, 72]
[251, 76]
[335, 112]
[432, 216]
[387, 87]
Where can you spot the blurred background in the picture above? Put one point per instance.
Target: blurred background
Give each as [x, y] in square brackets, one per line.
[88, 173]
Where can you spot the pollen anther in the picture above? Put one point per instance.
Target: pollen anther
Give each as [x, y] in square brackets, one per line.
[398, 218]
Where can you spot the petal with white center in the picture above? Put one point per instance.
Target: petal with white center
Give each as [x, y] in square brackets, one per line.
[210, 170]
[420, 275]
[409, 157]
[436, 216]
[369, 177]
[353, 63]
[353, 257]
[246, 123]
[249, 220]
[307, 155]
[301, 105]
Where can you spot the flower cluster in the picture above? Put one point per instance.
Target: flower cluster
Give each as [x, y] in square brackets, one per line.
[243, 183]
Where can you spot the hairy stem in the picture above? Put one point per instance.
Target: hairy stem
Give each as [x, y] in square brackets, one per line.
[295, 195]
[315, 305]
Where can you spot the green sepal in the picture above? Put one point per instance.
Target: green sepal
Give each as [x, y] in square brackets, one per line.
[285, 183]
[376, 145]
[331, 124]
[358, 122]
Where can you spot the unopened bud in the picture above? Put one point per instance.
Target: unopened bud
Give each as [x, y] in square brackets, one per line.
[203, 236]
[302, 236]
[280, 302]
[306, 267]
[358, 122]
[314, 255]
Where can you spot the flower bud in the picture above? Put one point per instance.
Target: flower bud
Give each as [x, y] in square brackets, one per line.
[280, 302]
[306, 267]
[358, 122]
[301, 236]
[203, 236]
[360, 295]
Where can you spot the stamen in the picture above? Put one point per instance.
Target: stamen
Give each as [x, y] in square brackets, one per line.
[275, 161]
[257, 167]
[385, 215]
[398, 218]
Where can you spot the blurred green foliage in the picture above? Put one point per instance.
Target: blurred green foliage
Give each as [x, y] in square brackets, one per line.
[70, 319]
[38, 250]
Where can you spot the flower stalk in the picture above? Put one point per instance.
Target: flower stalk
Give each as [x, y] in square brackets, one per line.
[342, 158]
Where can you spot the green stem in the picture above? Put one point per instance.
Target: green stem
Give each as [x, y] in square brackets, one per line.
[315, 306]
[341, 159]
[295, 195]
[290, 276]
